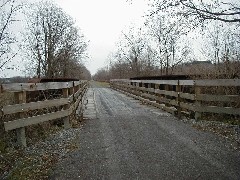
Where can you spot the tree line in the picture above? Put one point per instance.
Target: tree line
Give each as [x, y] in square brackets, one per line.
[51, 42]
[164, 43]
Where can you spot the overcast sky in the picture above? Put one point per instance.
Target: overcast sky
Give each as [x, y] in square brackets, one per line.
[102, 21]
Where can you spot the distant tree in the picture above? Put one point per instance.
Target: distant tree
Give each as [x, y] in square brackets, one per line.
[102, 75]
[8, 10]
[53, 43]
[132, 47]
[85, 73]
[132, 50]
[166, 32]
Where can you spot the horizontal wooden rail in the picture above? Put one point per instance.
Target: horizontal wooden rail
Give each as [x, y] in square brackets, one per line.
[187, 96]
[71, 101]
[11, 109]
[218, 82]
[16, 87]
[219, 98]
[35, 120]
[168, 95]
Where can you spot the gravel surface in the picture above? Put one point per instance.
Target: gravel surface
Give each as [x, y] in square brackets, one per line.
[57, 144]
[230, 133]
[122, 139]
[35, 161]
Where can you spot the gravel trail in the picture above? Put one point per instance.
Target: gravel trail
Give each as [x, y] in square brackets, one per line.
[123, 139]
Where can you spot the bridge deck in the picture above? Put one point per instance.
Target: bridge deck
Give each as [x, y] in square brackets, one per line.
[122, 139]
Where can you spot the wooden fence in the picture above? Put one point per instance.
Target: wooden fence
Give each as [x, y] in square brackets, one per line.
[185, 96]
[68, 101]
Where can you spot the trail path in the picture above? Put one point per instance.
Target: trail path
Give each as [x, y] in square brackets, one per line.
[123, 139]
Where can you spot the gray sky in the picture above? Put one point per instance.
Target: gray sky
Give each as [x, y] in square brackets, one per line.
[102, 21]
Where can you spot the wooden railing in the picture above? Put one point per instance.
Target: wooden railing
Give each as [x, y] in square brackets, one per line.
[195, 97]
[69, 101]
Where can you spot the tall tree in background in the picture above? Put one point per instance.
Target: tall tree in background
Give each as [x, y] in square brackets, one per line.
[167, 47]
[8, 10]
[192, 14]
[167, 32]
[55, 45]
[134, 55]
[131, 49]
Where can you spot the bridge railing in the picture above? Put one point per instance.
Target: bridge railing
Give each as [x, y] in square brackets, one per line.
[192, 97]
[66, 98]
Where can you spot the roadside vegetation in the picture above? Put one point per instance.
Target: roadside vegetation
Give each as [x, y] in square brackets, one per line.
[195, 38]
[51, 46]
[165, 44]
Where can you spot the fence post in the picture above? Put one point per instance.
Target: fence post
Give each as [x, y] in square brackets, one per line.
[66, 119]
[197, 102]
[79, 107]
[179, 109]
[149, 85]
[166, 88]
[20, 97]
[156, 87]
[137, 89]
[83, 96]
[71, 92]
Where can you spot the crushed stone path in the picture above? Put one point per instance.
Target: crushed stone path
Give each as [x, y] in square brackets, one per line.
[90, 107]
[123, 139]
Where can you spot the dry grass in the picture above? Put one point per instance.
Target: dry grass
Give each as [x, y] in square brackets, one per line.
[13, 160]
[99, 84]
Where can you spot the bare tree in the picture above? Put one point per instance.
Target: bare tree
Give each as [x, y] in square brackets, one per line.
[226, 11]
[166, 32]
[8, 10]
[102, 75]
[53, 41]
[131, 50]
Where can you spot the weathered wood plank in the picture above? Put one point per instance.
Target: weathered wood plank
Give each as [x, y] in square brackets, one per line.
[197, 107]
[81, 92]
[171, 110]
[151, 90]
[219, 98]
[186, 82]
[169, 82]
[197, 103]
[66, 119]
[76, 103]
[133, 81]
[16, 87]
[76, 94]
[149, 96]
[187, 96]
[205, 82]
[178, 99]
[119, 80]
[34, 120]
[21, 97]
[160, 99]
[188, 106]
[218, 82]
[10, 109]
[220, 110]
[76, 83]
[168, 93]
